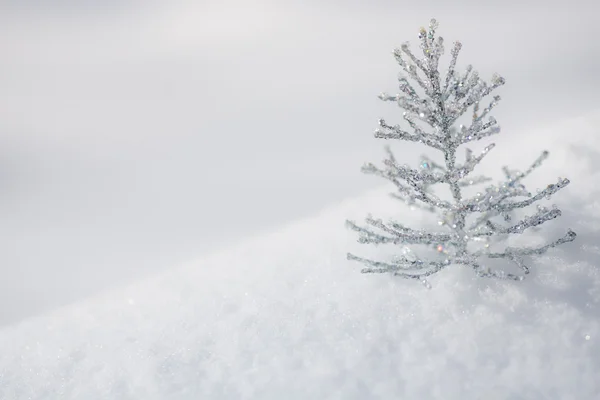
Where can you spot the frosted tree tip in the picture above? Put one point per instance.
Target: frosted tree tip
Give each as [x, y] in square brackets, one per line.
[571, 235]
[433, 24]
[498, 80]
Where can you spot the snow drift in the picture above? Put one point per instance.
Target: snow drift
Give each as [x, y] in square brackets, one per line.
[285, 315]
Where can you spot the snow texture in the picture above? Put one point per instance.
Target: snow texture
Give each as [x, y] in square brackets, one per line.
[285, 315]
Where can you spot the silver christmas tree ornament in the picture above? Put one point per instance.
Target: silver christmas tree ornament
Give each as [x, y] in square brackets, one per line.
[468, 226]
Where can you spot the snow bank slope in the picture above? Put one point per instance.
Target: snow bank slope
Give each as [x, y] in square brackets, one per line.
[286, 316]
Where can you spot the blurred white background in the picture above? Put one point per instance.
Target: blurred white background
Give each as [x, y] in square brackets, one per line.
[137, 135]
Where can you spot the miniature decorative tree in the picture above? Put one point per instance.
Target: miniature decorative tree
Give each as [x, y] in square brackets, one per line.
[467, 221]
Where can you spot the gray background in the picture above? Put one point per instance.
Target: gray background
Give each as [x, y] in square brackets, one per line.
[135, 136]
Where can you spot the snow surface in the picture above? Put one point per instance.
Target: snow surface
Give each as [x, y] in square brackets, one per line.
[285, 316]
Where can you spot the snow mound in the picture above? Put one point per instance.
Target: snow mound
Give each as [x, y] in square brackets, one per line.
[285, 315]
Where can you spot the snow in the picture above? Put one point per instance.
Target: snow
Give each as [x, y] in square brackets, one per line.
[285, 315]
